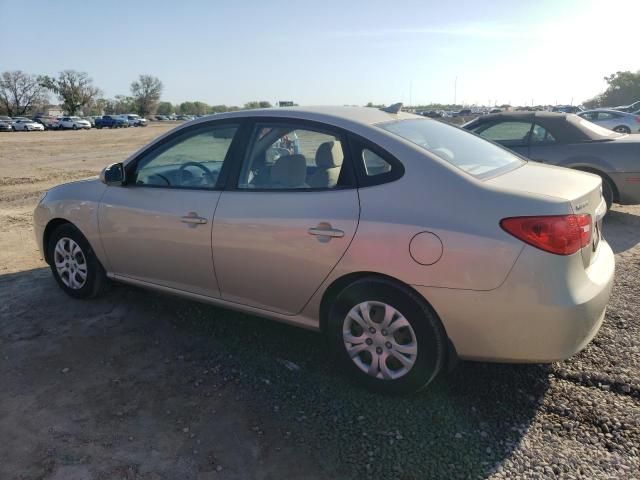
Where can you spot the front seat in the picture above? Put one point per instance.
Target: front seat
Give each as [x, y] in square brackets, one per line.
[329, 157]
[289, 171]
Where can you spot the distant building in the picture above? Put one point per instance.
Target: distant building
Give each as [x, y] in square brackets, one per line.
[50, 111]
[287, 103]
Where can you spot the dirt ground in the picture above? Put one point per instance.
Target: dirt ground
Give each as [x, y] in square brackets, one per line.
[136, 385]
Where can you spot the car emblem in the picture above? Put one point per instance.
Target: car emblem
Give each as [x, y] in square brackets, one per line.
[580, 206]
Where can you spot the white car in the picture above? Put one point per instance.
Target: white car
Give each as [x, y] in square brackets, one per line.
[26, 125]
[134, 120]
[74, 123]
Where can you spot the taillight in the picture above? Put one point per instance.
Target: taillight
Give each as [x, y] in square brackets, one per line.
[559, 234]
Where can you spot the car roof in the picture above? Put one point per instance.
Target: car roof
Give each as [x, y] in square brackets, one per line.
[332, 115]
[565, 127]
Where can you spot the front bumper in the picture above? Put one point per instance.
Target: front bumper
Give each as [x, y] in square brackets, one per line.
[549, 308]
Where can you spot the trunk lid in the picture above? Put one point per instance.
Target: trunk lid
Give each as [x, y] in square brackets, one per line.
[582, 190]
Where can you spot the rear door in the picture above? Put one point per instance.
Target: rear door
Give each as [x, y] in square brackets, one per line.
[287, 216]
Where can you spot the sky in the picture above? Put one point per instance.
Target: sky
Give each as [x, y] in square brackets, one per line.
[327, 52]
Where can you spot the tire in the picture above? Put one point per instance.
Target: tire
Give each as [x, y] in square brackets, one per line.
[622, 129]
[75, 127]
[418, 329]
[607, 192]
[67, 263]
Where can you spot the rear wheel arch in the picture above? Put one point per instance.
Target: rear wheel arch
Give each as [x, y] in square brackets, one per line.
[343, 282]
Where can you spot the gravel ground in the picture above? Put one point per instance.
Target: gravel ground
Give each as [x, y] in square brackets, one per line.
[137, 385]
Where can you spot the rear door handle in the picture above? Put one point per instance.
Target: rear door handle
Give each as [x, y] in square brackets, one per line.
[193, 220]
[326, 232]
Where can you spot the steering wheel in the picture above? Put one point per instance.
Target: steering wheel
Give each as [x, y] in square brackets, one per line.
[183, 168]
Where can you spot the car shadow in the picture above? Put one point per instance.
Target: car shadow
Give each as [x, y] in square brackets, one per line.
[621, 230]
[463, 425]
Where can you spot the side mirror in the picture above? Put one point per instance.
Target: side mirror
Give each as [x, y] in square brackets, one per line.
[113, 174]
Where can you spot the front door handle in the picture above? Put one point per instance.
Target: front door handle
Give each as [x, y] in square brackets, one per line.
[193, 220]
[324, 229]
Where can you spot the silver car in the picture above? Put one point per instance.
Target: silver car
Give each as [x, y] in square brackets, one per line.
[621, 122]
[408, 242]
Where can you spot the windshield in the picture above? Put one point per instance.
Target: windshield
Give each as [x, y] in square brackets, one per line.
[460, 148]
[74, 118]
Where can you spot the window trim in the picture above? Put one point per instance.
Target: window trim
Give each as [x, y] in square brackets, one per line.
[301, 124]
[356, 145]
[174, 138]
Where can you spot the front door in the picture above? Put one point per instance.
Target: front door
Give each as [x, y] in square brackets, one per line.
[157, 227]
[287, 218]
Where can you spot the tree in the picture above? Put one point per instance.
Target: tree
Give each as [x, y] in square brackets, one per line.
[623, 88]
[146, 93]
[165, 108]
[20, 92]
[256, 104]
[74, 89]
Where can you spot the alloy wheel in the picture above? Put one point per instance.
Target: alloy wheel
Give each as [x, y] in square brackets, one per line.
[71, 263]
[380, 340]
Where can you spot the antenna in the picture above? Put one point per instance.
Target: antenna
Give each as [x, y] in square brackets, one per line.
[395, 108]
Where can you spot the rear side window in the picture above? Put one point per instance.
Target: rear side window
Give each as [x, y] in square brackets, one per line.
[458, 147]
[506, 133]
[374, 164]
[540, 135]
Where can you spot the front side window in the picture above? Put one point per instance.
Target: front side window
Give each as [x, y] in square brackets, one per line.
[506, 133]
[284, 157]
[460, 148]
[193, 159]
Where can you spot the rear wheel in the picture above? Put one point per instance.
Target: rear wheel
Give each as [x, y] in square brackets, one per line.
[74, 264]
[622, 129]
[607, 192]
[386, 337]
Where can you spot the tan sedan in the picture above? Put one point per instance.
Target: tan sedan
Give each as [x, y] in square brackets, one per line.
[407, 241]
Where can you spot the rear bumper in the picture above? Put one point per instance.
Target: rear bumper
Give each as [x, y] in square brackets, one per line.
[628, 185]
[549, 308]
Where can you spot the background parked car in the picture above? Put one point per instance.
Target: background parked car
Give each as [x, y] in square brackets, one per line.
[5, 124]
[74, 123]
[566, 109]
[634, 107]
[22, 124]
[49, 123]
[134, 120]
[618, 121]
[91, 120]
[569, 141]
[111, 121]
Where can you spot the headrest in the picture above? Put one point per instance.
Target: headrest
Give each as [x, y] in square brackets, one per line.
[329, 155]
[289, 171]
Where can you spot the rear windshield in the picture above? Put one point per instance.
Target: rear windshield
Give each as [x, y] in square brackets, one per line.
[460, 148]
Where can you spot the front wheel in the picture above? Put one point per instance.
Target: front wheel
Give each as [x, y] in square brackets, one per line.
[386, 336]
[622, 129]
[74, 264]
[607, 192]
